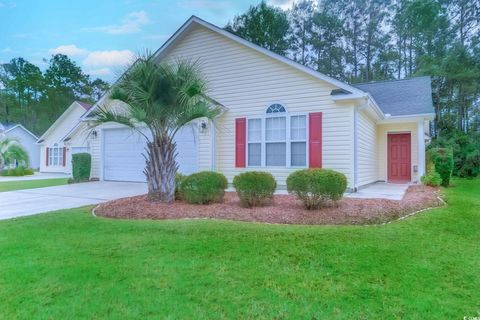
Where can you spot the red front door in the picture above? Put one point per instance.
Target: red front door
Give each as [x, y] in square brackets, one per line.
[399, 157]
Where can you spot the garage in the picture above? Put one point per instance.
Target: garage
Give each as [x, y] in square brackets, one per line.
[123, 151]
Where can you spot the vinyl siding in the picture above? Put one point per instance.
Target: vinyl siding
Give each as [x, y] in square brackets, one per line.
[382, 131]
[95, 149]
[56, 136]
[247, 82]
[367, 149]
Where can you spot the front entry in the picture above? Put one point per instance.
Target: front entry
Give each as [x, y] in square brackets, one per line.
[399, 157]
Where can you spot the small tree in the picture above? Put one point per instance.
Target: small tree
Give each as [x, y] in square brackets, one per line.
[164, 97]
[11, 150]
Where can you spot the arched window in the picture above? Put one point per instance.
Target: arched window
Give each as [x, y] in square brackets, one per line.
[275, 108]
[54, 155]
[277, 139]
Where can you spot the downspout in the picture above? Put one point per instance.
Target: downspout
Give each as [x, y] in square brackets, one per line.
[355, 148]
[213, 143]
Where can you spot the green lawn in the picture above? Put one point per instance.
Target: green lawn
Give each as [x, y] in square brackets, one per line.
[31, 184]
[72, 265]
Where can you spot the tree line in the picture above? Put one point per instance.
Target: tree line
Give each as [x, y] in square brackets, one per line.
[36, 99]
[371, 40]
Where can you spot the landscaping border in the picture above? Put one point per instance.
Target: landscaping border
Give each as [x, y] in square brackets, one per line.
[256, 219]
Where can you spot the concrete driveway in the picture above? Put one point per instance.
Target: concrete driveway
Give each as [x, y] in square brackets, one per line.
[32, 201]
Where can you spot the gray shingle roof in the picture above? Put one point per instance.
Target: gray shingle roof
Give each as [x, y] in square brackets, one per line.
[401, 97]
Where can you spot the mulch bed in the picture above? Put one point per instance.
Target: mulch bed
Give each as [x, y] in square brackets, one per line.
[285, 209]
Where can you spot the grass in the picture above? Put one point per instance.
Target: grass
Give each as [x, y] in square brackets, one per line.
[70, 264]
[31, 184]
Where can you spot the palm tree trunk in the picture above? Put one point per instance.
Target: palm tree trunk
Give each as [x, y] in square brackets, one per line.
[160, 170]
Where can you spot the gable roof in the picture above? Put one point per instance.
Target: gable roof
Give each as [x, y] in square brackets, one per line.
[13, 126]
[194, 20]
[401, 97]
[407, 100]
[63, 116]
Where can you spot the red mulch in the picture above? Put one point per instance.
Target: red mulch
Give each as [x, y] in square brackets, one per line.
[285, 209]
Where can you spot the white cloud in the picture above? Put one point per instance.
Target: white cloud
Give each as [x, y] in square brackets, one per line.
[7, 50]
[99, 72]
[284, 4]
[112, 58]
[70, 50]
[132, 23]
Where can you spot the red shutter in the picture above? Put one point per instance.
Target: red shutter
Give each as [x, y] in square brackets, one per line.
[315, 140]
[240, 142]
[46, 163]
[64, 156]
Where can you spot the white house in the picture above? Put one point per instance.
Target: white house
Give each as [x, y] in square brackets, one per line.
[26, 138]
[57, 145]
[280, 116]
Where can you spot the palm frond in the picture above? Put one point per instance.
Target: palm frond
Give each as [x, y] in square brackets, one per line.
[11, 150]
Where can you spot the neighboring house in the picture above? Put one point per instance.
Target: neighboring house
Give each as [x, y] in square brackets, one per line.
[26, 139]
[57, 145]
[280, 116]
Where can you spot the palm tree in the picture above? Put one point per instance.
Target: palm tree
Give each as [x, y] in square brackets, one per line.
[11, 150]
[163, 97]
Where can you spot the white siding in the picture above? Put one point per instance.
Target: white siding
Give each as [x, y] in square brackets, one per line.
[382, 131]
[95, 148]
[367, 150]
[66, 124]
[246, 82]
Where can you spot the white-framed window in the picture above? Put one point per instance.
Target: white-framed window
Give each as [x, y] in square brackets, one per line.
[55, 156]
[277, 139]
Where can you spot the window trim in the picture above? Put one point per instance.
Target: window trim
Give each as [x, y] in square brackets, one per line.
[288, 140]
[51, 156]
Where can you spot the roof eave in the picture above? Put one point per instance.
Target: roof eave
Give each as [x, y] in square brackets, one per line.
[171, 41]
[409, 117]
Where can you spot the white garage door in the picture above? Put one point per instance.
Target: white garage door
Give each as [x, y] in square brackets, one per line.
[123, 149]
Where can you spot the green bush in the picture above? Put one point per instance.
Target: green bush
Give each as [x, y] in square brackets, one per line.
[203, 187]
[466, 151]
[315, 187]
[442, 159]
[81, 166]
[432, 178]
[254, 188]
[17, 172]
[470, 167]
[28, 171]
[178, 181]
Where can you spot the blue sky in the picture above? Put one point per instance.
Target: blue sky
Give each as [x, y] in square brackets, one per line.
[102, 35]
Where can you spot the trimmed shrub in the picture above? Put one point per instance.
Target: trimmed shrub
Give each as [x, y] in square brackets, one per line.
[254, 188]
[17, 172]
[28, 171]
[442, 159]
[203, 187]
[81, 166]
[315, 187]
[432, 178]
[178, 181]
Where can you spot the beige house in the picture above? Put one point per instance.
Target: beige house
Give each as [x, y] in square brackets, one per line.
[280, 116]
[66, 136]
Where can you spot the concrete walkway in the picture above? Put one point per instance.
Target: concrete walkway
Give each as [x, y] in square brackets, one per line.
[36, 176]
[32, 201]
[381, 190]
